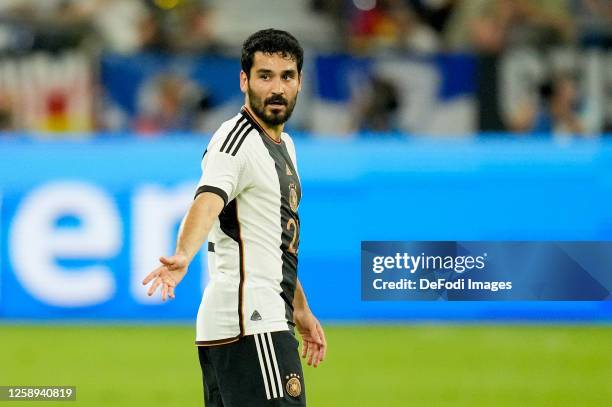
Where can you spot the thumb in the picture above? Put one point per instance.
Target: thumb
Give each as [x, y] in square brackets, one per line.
[169, 261]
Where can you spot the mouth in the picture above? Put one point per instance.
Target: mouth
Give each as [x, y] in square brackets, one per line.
[276, 105]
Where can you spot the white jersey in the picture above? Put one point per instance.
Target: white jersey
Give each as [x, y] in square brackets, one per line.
[252, 249]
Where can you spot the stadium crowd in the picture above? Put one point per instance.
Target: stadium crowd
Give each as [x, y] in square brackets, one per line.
[538, 62]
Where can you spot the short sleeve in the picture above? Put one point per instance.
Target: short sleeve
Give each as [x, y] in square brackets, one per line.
[222, 174]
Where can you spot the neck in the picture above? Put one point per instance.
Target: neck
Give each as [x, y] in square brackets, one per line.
[273, 131]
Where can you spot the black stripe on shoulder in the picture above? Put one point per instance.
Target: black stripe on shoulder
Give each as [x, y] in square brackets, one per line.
[245, 126]
[214, 190]
[245, 113]
[244, 136]
[231, 133]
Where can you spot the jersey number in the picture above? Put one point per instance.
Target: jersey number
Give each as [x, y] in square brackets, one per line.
[293, 224]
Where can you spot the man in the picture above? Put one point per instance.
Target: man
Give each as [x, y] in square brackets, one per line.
[248, 198]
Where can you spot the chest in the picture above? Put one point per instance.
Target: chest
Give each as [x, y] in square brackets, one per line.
[275, 176]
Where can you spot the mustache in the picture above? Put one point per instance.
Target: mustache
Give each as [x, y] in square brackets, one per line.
[276, 100]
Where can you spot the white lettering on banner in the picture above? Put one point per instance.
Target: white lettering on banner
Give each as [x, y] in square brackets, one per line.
[35, 243]
[156, 211]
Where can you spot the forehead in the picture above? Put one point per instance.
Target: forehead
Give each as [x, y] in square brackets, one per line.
[273, 62]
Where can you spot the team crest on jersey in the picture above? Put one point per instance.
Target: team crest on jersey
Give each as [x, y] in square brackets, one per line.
[293, 386]
[293, 197]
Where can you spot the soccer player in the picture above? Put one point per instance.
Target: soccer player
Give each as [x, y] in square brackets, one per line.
[247, 205]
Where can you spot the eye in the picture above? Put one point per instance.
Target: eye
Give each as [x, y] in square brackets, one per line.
[265, 76]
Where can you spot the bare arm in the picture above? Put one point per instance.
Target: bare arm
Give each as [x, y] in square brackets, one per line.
[197, 223]
[299, 298]
[314, 343]
[193, 232]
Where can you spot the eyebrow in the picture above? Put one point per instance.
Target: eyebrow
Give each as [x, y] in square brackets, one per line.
[269, 71]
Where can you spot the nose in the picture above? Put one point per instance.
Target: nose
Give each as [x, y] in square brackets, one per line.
[278, 87]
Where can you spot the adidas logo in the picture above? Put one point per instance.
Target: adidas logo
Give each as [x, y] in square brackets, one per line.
[288, 170]
[255, 316]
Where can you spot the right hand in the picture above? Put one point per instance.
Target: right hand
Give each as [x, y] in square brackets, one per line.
[169, 274]
[314, 344]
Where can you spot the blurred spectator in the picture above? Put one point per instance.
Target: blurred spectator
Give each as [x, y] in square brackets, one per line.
[516, 43]
[388, 25]
[490, 26]
[482, 25]
[180, 26]
[231, 21]
[556, 112]
[376, 105]
[170, 102]
[34, 25]
[123, 26]
[594, 22]
[435, 13]
[528, 30]
[539, 23]
[6, 114]
[120, 25]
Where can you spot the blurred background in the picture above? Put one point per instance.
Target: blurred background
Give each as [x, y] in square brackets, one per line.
[418, 120]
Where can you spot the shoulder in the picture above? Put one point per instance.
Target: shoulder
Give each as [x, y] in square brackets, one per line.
[287, 139]
[233, 136]
[225, 129]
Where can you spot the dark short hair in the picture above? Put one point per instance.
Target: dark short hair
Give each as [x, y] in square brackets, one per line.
[271, 41]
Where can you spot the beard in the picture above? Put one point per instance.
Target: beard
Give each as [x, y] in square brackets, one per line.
[271, 118]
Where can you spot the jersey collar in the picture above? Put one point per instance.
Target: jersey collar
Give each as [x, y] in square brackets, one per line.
[249, 116]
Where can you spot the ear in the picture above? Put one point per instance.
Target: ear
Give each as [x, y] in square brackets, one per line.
[243, 82]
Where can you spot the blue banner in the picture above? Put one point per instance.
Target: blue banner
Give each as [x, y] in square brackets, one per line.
[82, 222]
[124, 77]
[486, 271]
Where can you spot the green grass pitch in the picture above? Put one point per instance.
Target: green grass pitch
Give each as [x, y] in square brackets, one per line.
[393, 365]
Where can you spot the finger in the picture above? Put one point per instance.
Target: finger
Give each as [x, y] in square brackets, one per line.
[320, 356]
[308, 353]
[324, 346]
[321, 333]
[164, 291]
[171, 292]
[304, 348]
[313, 352]
[314, 333]
[154, 286]
[317, 357]
[168, 280]
[150, 276]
